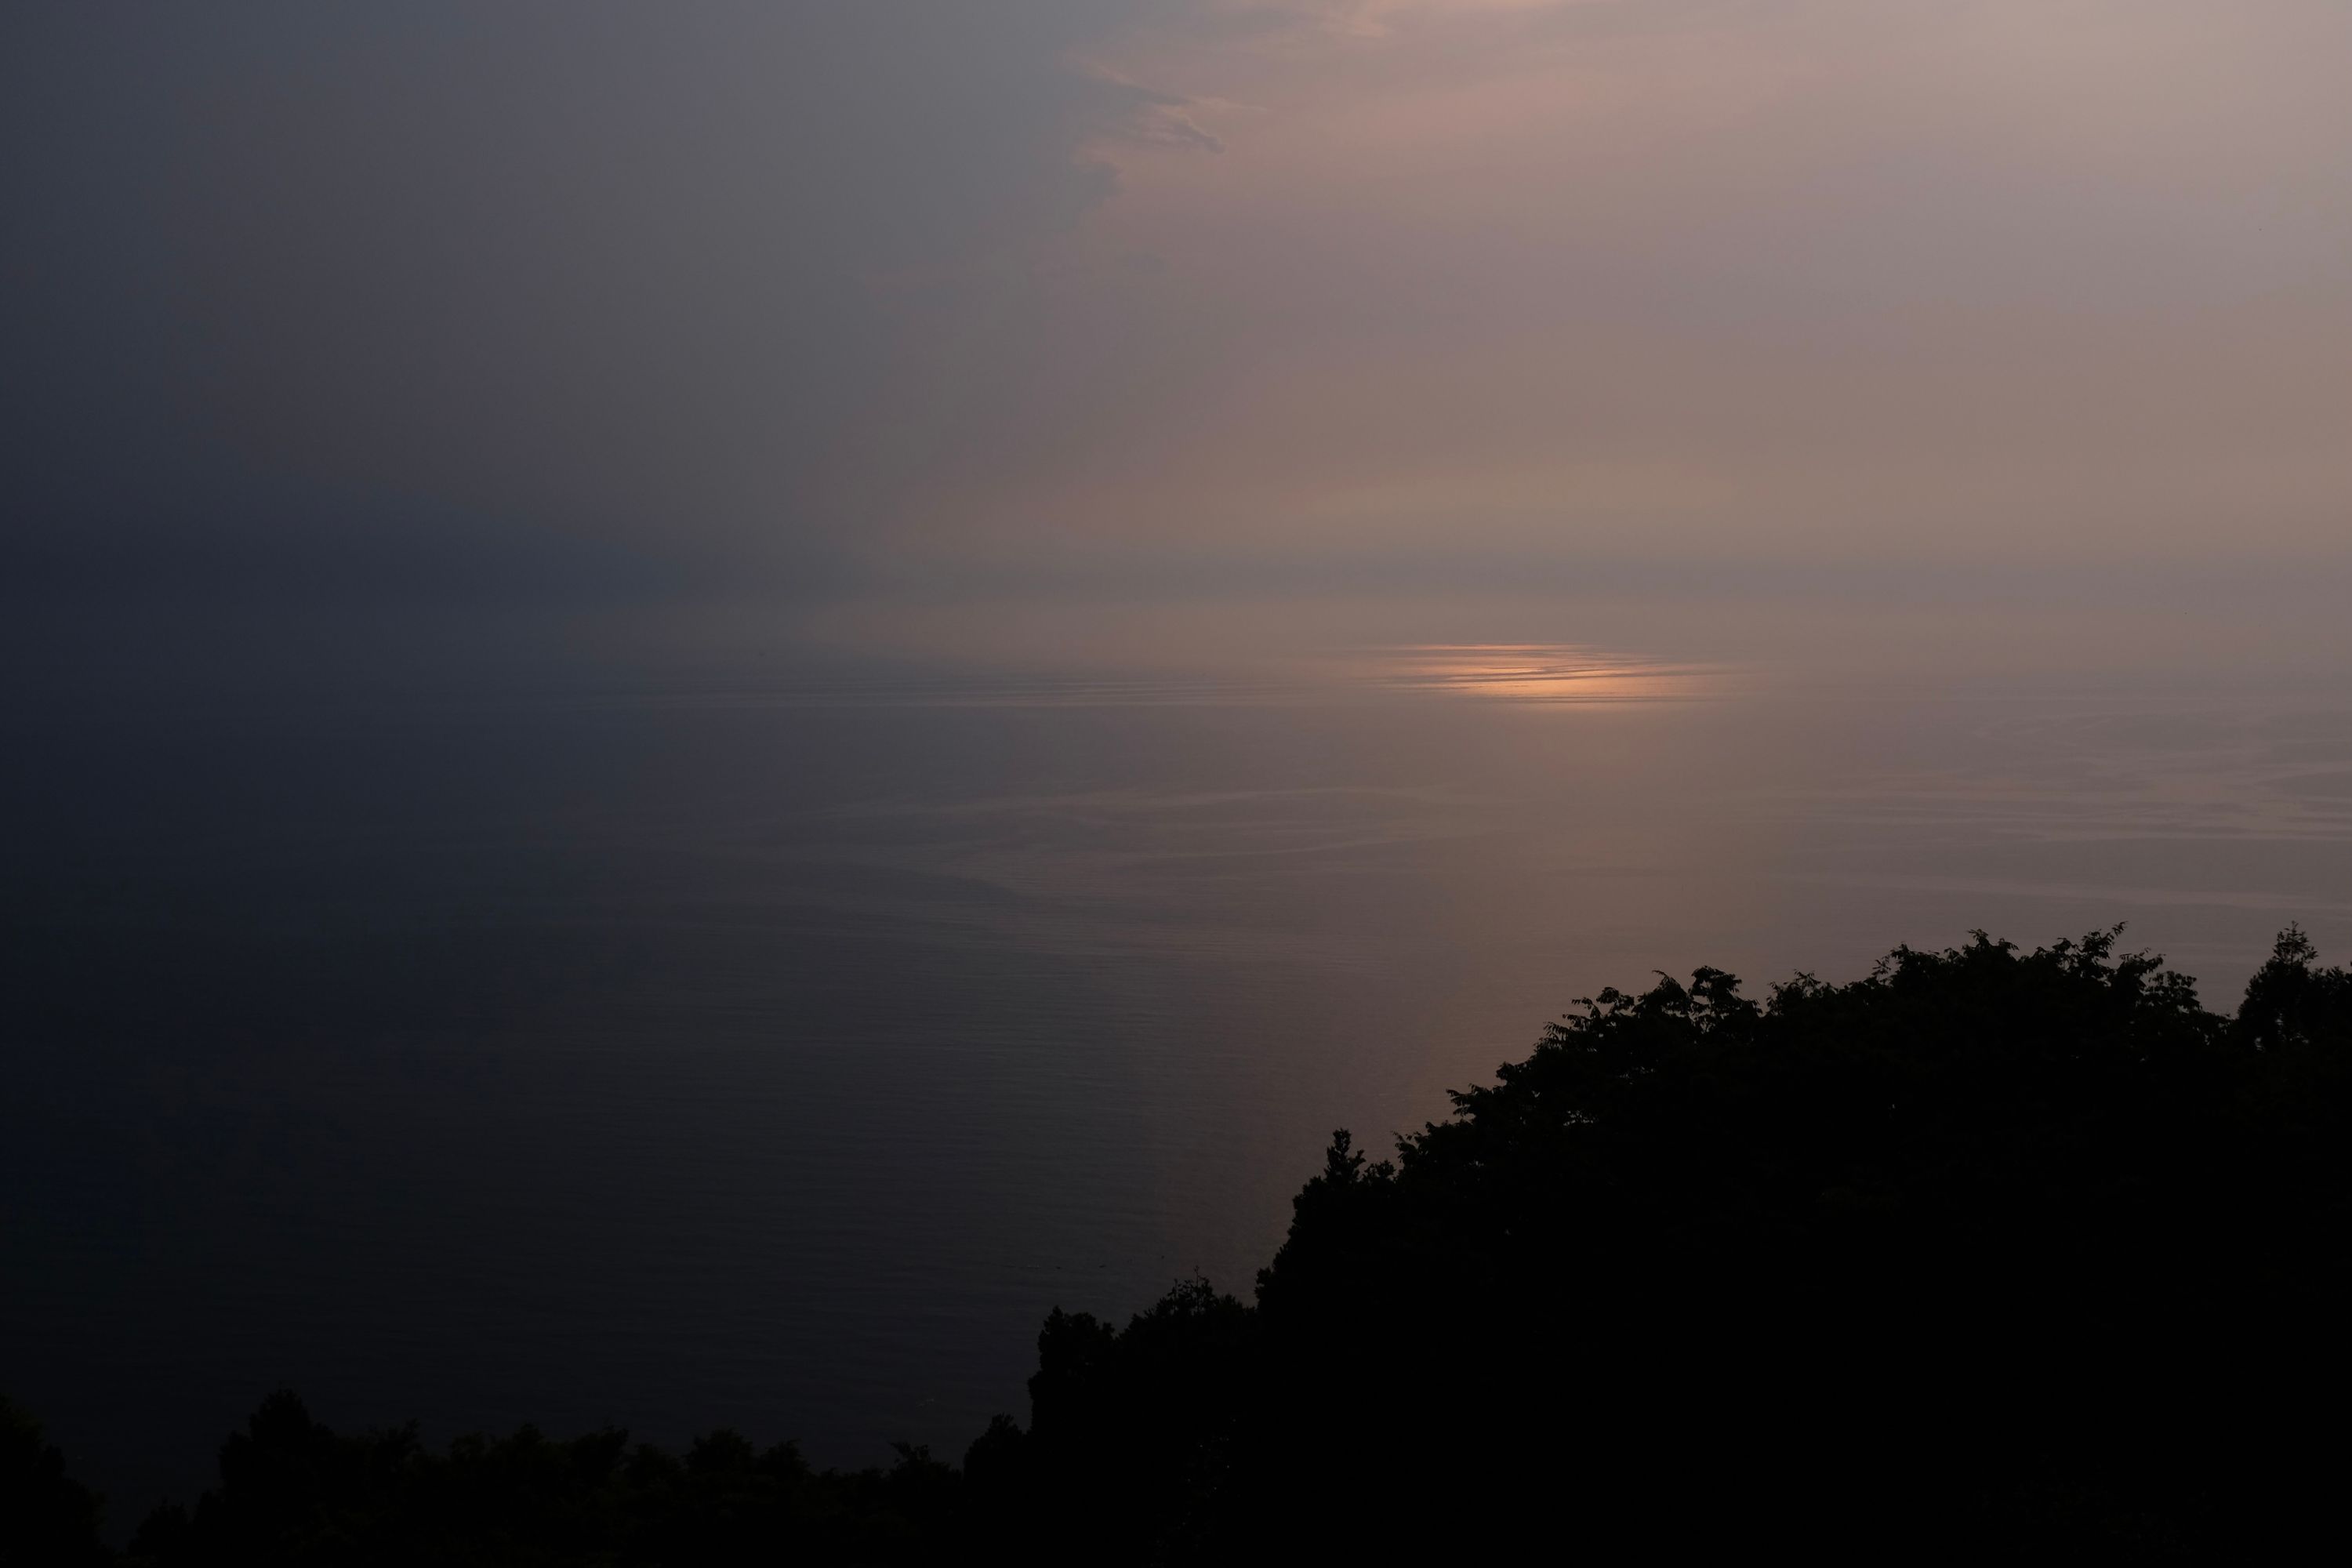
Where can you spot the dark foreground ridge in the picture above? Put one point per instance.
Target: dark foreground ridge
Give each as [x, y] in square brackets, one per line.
[1991, 1254]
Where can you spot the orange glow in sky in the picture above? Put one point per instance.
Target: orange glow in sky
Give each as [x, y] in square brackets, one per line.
[1538, 672]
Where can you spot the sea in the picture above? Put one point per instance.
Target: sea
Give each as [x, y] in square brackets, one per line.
[773, 1040]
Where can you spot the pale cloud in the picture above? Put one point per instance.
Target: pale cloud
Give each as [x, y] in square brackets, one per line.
[922, 291]
[1146, 114]
[1377, 18]
[1820, 279]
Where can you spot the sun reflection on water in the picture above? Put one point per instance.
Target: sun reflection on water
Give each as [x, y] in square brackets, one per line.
[1537, 672]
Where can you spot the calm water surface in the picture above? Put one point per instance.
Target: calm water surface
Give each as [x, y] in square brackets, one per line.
[776, 1051]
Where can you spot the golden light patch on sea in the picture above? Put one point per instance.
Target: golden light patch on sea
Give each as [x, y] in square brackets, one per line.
[1537, 672]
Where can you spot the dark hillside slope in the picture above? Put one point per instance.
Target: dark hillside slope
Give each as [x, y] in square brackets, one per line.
[1990, 1254]
[1991, 1251]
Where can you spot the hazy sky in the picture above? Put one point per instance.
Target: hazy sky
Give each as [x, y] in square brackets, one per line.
[433, 301]
[490, 932]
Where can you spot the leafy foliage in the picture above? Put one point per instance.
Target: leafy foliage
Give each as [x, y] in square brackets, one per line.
[1989, 1254]
[46, 1517]
[292, 1491]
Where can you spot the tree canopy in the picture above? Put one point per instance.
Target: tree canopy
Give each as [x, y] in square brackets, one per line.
[1990, 1253]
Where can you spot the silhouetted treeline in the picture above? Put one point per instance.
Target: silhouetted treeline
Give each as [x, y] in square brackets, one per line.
[45, 1516]
[1990, 1254]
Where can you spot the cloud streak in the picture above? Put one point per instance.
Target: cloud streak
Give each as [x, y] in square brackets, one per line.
[803, 301]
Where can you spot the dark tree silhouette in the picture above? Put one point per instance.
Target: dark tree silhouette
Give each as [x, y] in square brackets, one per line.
[292, 1491]
[1990, 1254]
[46, 1517]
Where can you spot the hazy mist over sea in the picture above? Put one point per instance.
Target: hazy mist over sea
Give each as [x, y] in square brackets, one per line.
[703, 704]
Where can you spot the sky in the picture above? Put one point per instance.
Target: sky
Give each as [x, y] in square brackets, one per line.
[626, 595]
[928, 302]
